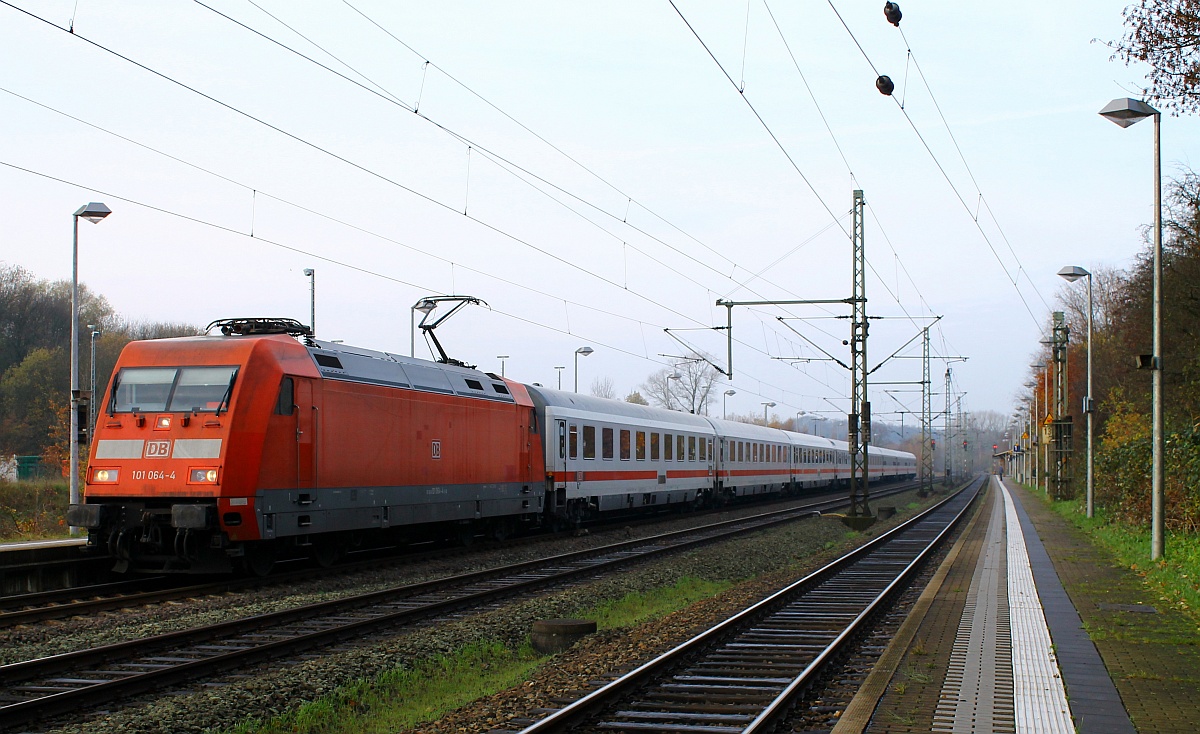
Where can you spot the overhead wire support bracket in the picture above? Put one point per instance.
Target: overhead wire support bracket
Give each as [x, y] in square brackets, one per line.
[798, 302]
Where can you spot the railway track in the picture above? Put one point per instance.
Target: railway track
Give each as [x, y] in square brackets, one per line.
[37, 689]
[747, 673]
[85, 600]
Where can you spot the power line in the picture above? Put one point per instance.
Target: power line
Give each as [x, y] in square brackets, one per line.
[500, 160]
[974, 218]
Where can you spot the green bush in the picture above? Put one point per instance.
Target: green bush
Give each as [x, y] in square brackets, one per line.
[33, 510]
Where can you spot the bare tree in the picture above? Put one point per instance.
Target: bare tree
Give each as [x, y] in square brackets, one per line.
[687, 387]
[602, 387]
[1166, 35]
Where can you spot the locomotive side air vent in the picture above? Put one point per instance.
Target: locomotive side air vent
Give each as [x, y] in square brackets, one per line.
[328, 360]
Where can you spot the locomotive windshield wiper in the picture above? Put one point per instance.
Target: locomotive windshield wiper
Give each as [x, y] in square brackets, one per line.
[112, 395]
[228, 393]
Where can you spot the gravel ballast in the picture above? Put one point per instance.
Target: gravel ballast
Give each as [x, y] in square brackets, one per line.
[770, 559]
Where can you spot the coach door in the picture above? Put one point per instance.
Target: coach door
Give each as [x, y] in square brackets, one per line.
[560, 455]
[307, 421]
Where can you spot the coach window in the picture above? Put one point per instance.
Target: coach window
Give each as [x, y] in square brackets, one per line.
[589, 442]
[607, 443]
[668, 447]
[287, 397]
[639, 446]
[680, 448]
[703, 446]
[691, 448]
[573, 441]
[653, 447]
[624, 445]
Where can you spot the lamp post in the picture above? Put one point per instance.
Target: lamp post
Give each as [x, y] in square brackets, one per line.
[1072, 273]
[93, 212]
[585, 351]
[1125, 112]
[503, 357]
[312, 300]
[91, 426]
[424, 305]
[1044, 457]
[724, 400]
[765, 407]
[672, 376]
[1033, 423]
[559, 370]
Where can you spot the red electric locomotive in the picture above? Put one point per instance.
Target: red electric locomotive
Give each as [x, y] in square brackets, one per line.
[212, 452]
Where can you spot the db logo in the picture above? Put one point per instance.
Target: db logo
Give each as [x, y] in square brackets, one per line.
[158, 449]
[437, 449]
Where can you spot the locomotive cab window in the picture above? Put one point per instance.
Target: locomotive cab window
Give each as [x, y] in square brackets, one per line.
[173, 389]
[286, 403]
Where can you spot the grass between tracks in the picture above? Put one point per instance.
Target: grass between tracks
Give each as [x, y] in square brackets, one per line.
[1175, 579]
[402, 699]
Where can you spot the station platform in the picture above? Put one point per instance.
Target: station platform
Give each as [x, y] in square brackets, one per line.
[999, 639]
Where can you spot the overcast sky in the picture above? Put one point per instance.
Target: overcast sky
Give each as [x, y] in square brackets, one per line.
[590, 172]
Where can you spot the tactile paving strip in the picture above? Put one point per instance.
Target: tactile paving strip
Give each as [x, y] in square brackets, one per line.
[1039, 696]
[977, 693]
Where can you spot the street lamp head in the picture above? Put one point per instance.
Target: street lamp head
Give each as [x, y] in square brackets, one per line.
[93, 211]
[585, 351]
[1126, 111]
[731, 392]
[1072, 273]
[309, 272]
[674, 376]
[769, 405]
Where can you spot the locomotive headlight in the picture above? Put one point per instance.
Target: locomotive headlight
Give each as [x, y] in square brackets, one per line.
[105, 476]
[162, 423]
[202, 476]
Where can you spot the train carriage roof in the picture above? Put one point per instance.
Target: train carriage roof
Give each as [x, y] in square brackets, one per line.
[599, 408]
